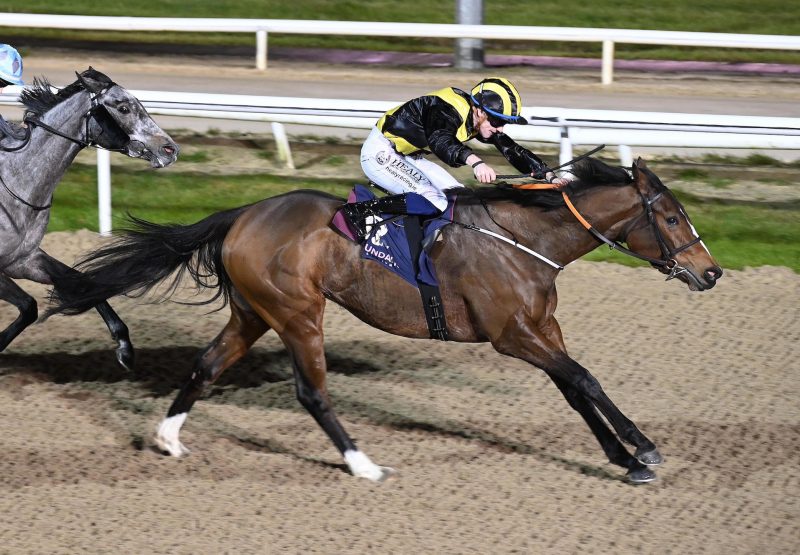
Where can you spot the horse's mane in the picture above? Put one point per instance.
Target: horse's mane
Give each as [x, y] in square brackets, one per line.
[590, 172]
[40, 97]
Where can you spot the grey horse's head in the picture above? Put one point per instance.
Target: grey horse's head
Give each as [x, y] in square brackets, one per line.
[118, 121]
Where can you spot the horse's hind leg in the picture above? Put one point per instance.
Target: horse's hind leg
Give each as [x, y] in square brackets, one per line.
[119, 333]
[28, 310]
[43, 268]
[239, 334]
[304, 341]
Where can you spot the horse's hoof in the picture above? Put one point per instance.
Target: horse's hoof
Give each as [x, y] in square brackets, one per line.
[387, 474]
[173, 448]
[651, 457]
[379, 474]
[641, 475]
[125, 355]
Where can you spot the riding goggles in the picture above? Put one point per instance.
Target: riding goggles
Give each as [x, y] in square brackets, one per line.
[496, 119]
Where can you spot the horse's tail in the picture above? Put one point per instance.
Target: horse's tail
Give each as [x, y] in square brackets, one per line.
[144, 255]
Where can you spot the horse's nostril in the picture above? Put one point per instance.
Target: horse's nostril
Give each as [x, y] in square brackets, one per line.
[713, 274]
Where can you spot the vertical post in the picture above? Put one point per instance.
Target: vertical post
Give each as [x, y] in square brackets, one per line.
[104, 191]
[565, 148]
[625, 156]
[607, 72]
[282, 142]
[261, 49]
[469, 52]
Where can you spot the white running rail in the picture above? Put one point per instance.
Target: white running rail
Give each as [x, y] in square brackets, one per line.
[569, 126]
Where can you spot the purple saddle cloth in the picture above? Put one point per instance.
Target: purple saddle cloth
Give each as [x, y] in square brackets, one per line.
[386, 243]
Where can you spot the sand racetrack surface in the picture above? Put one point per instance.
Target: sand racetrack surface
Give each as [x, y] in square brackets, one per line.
[491, 457]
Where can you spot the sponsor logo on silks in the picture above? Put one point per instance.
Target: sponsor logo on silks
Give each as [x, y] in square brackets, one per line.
[381, 255]
[376, 247]
[407, 169]
[377, 238]
[382, 157]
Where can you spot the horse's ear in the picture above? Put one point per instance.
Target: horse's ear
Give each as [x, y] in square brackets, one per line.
[639, 176]
[93, 80]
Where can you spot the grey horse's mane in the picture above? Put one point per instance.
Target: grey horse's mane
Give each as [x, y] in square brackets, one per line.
[40, 98]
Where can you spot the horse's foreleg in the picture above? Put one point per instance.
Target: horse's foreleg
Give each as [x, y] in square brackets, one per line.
[530, 343]
[612, 447]
[239, 334]
[568, 370]
[28, 310]
[610, 443]
[304, 341]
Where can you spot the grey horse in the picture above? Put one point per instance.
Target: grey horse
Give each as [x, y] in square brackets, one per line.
[92, 111]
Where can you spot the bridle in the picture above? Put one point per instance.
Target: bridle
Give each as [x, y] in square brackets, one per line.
[667, 260]
[93, 112]
[87, 141]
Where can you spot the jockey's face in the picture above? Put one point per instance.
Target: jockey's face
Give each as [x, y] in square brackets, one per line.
[484, 125]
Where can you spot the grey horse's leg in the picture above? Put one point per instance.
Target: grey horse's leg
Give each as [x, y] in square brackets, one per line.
[43, 268]
[13, 293]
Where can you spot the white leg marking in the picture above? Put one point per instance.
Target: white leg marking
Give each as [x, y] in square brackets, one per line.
[362, 467]
[168, 433]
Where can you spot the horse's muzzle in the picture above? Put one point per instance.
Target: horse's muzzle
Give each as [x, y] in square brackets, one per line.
[159, 156]
[169, 152]
[707, 281]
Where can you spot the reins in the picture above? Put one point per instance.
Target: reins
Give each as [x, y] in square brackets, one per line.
[569, 163]
[25, 202]
[23, 144]
[668, 262]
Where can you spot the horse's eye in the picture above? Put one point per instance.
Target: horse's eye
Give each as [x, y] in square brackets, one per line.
[672, 220]
[124, 109]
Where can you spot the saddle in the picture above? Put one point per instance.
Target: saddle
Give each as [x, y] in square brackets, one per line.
[396, 243]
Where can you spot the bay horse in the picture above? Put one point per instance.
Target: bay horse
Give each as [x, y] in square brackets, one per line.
[277, 262]
[92, 111]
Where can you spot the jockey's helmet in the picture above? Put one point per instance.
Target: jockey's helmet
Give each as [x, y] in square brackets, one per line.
[10, 65]
[500, 100]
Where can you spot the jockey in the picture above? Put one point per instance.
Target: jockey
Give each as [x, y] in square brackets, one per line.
[10, 74]
[10, 66]
[440, 122]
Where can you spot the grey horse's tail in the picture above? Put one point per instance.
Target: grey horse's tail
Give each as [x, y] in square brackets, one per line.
[144, 255]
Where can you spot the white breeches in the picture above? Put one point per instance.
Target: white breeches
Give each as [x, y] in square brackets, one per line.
[398, 173]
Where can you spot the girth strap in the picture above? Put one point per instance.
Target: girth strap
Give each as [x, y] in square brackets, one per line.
[431, 297]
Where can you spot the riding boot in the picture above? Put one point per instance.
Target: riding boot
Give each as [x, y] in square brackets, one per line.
[404, 203]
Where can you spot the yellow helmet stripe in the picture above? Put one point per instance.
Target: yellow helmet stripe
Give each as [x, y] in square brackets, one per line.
[507, 93]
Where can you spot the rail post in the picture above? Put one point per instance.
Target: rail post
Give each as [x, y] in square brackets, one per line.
[282, 142]
[565, 147]
[625, 156]
[607, 71]
[261, 49]
[104, 190]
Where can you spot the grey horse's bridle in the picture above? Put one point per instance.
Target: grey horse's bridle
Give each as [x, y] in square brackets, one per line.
[86, 141]
[91, 113]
